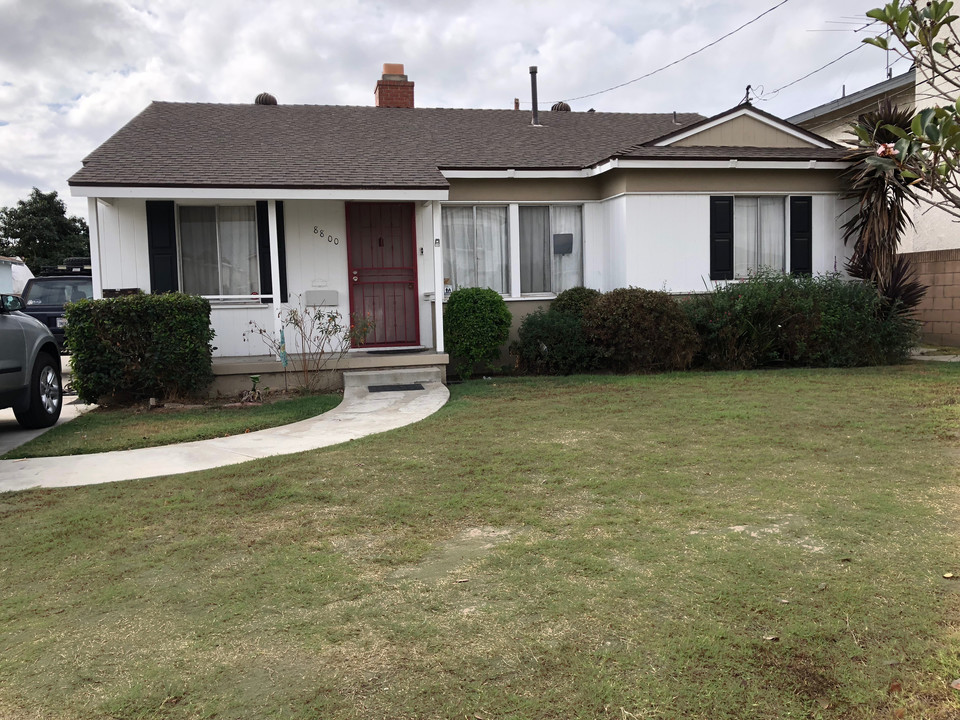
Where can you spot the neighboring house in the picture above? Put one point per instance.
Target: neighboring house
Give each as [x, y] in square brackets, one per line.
[13, 275]
[933, 242]
[382, 210]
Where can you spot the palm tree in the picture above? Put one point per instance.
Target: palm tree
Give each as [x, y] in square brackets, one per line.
[881, 195]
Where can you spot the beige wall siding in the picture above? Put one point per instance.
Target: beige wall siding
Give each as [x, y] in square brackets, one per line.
[524, 190]
[792, 182]
[617, 182]
[743, 131]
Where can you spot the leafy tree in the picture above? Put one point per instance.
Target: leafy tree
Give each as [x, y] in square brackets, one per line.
[39, 231]
[927, 151]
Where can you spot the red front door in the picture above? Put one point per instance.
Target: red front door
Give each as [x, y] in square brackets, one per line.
[381, 246]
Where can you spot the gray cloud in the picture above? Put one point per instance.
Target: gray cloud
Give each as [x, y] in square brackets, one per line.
[73, 72]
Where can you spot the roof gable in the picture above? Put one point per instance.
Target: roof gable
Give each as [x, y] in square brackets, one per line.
[743, 126]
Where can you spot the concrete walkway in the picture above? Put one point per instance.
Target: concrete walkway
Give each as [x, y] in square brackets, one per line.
[360, 413]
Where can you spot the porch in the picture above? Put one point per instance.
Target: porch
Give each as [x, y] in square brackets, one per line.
[232, 374]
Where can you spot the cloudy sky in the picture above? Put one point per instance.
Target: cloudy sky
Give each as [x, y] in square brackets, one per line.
[72, 72]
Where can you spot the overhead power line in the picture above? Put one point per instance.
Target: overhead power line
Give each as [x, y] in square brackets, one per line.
[685, 57]
[773, 93]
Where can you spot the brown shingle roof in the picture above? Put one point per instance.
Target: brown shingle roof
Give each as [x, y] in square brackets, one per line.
[327, 146]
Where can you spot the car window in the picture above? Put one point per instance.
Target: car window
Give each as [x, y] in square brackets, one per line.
[58, 292]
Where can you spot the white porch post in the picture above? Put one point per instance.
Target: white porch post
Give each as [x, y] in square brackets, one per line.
[438, 286]
[514, 235]
[93, 222]
[274, 266]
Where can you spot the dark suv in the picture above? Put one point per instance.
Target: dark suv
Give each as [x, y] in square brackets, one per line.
[29, 367]
[44, 298]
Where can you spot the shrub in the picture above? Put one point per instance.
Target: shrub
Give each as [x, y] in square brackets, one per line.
[640, 330]
[476, 324]
[140, 346]
[574, 301]
[775, 319]
[553, 343]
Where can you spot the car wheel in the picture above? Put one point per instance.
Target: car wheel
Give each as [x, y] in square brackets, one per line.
[46, 395]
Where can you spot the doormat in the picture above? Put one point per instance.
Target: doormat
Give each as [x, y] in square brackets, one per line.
[395, 388]
[397, 351]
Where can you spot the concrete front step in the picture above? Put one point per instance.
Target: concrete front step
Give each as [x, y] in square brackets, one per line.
[394, 376]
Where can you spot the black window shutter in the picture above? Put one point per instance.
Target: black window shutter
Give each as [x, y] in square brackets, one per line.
[801, 235]
[721, 238]
[281, 252]
[162, 246]
[263, 248]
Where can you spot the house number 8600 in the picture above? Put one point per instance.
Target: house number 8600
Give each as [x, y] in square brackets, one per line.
[317, 230]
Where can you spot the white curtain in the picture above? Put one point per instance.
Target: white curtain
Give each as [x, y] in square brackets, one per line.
[772, 233]
[198, 250]
[459, 255]
[567, 268]
[239, 269]
[758, 234]
[475, 252]
[535, 273]
[491, 244]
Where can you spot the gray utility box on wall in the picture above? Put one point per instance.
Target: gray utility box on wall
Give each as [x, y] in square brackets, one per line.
[321, 298]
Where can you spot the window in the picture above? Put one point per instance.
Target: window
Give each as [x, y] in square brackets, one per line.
[218, 250]
[551, 248]
[758, 235]
[477, 250]
[749, 233]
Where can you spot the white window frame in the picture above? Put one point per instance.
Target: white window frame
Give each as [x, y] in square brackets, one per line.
[784, 240]
[508, 255]
[254, 297]
[513, 242]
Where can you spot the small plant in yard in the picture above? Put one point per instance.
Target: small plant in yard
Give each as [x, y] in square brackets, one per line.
[476, 324]
[253, 395]
[321, 337]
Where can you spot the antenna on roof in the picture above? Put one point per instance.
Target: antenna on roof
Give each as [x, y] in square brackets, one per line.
[746, 96]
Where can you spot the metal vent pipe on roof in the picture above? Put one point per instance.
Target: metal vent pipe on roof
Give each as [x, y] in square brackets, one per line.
[533, 93]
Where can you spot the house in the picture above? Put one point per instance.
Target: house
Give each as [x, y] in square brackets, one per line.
[13, 275]
[383, 210]
[933, 241]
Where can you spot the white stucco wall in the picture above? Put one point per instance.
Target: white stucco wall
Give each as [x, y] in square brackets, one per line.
[661, 241]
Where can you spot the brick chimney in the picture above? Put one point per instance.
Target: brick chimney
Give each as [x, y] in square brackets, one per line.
[393, 89]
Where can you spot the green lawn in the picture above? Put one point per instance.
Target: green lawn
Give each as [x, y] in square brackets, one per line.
[719, 546]
[102, 429]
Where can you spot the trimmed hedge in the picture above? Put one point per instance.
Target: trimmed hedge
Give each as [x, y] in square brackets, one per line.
[476, 323]
[640, 330]
[575, 301]
[140, 346]
[773, 319]
[553, 343]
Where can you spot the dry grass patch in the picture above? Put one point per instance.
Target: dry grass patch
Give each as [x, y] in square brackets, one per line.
[570, 548]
